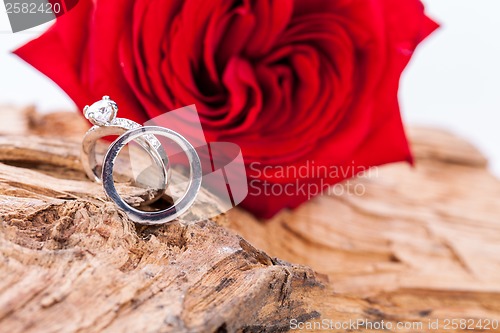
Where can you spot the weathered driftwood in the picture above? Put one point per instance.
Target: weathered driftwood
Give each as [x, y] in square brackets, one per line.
[420, 244]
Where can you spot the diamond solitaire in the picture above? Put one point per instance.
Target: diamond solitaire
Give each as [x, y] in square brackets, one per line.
[102, 112]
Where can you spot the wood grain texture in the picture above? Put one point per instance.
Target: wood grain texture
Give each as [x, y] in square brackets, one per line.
[419, 244]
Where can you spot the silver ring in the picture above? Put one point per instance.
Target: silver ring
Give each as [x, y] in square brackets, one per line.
[102, 114]
[181, 205]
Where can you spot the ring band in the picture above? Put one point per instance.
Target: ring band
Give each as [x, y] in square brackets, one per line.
[181, 205]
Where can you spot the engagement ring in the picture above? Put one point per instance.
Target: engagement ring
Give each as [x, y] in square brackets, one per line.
[102, 114]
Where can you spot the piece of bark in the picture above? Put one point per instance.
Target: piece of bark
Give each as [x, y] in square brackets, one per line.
[70, 261]
[420, 244]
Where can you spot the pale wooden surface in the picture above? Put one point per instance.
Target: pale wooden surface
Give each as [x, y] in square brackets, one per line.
[422, 243]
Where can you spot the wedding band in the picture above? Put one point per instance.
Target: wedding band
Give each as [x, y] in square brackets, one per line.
[181, 205]
[102, 114]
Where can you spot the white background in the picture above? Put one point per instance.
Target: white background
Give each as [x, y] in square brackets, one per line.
[453, 81]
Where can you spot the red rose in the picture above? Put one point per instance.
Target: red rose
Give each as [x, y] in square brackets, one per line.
[294, 83]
